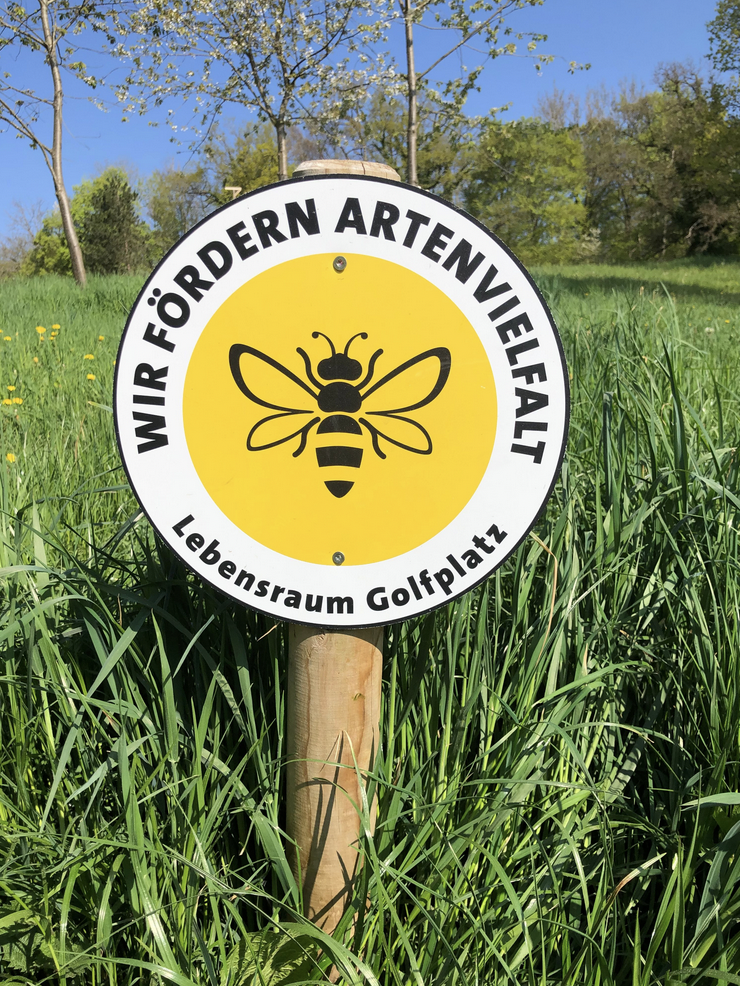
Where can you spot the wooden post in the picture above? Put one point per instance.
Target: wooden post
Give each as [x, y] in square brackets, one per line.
[333, 717]
[341, 167]
[333, 713]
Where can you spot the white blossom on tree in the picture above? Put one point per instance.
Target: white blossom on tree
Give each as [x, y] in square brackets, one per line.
[291, 63]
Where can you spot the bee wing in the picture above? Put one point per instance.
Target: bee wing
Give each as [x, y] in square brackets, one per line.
[403, 432]
[411, 385]
[278, 428]
[268, 383]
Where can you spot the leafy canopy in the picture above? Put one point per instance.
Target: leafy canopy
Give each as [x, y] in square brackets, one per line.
[113, 237]
[528, 185]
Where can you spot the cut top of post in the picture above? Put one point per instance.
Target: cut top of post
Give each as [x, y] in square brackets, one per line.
[344, 167]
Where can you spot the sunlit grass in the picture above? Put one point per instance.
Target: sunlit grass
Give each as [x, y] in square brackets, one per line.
[703, 276]
[559, 782]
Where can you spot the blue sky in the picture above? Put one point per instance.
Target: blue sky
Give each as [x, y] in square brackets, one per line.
[624, 40]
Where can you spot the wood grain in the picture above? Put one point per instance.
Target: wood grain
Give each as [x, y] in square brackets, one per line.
[329, 166]
[333, 715]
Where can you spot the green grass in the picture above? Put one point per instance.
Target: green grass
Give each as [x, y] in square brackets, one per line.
[697, 282]
[559, 783]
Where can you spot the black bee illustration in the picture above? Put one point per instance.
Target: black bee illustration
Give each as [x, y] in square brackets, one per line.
[337, 400]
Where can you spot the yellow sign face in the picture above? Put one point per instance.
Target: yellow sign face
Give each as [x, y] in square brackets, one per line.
[348, 410]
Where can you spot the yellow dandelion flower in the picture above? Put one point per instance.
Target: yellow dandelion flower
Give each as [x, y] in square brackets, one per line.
[56, 326]
[7, 400]
[7, 338]
[17, 400]
[91, 376]
[88, 356]
[10, 457]
[35, 359]
[40, 329]
[11, 386]
[100, 338]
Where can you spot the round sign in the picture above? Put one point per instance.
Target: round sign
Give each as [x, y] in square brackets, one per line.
[341, 401]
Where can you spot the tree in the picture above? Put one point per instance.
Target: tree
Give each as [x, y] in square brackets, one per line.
[25, 220]
[724, 42]
[459, 21]
[619, 174]
[247, 162]
[289, 65]
[377, 130]
[669, 159]
[528, 186]
[661, 174]
[176, 200]
[46, 31]
[49, 253]
[724, 36]
[694, 145]
[113, 238]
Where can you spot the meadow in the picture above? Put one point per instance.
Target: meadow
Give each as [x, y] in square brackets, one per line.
[559, 781]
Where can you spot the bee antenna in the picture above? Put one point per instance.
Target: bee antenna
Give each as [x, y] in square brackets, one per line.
[362, 335]
[315, 335]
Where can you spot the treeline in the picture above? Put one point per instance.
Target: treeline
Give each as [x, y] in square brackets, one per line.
[126, 224]
[629, 175]
[626, 175]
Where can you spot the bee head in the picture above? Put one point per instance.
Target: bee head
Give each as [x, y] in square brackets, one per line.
[339, 366]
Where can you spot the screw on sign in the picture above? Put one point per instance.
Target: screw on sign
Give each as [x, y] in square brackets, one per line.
[343, 403]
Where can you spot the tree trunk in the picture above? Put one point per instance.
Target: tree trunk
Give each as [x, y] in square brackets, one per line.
[412, 121]
[282, 150]
[75, 253]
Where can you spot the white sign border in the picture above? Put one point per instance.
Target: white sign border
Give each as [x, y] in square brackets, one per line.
[402, 563]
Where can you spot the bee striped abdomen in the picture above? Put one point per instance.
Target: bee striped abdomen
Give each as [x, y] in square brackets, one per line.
[340, 457]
